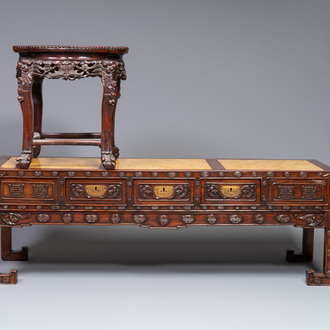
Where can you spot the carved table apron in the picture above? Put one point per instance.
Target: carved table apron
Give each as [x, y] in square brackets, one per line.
[168, 193]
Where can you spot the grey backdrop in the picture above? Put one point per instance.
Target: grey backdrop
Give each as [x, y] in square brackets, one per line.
[228, 78]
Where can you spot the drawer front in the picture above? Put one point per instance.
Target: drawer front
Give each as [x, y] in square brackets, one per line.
[303, 192]
[96, 192]
[164, 192]
[231, 191]
[29, 192]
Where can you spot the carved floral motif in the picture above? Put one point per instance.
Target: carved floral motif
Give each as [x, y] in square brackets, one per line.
[283, 218]
[139, 218]
[164, 220]
[43, 217]
[67, 218]
[259, 218]
[211, 219]
[79, 191]
[188, 219]
[91, 218]
[115, 218]
[214, 191]
[235, 219]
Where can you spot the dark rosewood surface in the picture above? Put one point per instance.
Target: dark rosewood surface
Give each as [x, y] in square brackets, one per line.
[168, 199]
[69, 63]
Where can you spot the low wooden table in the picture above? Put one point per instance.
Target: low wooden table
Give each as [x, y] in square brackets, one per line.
[168, 193]
[69, 63]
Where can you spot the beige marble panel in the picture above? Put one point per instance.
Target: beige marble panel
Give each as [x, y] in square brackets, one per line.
[269, 165]
[122, 163]
[162, 164]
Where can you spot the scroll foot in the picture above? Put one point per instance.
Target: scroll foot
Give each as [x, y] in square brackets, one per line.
[317, 279]
[9, 278]
[108, 161]
[24, 160]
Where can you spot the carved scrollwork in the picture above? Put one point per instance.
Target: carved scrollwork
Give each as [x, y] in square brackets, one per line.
[24, 78]
[214, 191]
[180, 191]
[12, 218]
[312, 220]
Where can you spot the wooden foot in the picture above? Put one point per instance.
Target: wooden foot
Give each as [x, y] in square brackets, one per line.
[24, 160]
[9, 278]
[7, 254]
[307, 248]
[108, 161]
[317, 279]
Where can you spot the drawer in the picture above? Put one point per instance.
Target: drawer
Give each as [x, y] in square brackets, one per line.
[29, 192]
[300, 191]
[227, 191]
[164, 192]
[95, 192]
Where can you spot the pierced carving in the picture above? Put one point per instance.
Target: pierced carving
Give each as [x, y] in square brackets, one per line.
[40, 190]
[115, 218]
[91, 218]
[285, 192]
[235, 219]
[211, 219]
[67, 218]
[139, 219]
[112, 191]
[188, 219]
[283, 218]
[215, 192]
[43, 217]
[164, 220]
[312, 220]
[12, 218]
[16, 190]
[259, 218]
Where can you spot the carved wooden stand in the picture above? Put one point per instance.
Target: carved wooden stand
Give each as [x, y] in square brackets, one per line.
[211, 194]
[69, 63]
[10, 278]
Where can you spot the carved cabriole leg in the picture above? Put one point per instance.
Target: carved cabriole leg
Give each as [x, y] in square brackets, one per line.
[37, 109]
[10, 278]
[307, 248]
[115, 148]
[322, 279]
[109, 102]
[24, 80]
[7, 254]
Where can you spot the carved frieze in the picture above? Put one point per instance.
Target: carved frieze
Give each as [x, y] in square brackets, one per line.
[312, 220]
[13, 218]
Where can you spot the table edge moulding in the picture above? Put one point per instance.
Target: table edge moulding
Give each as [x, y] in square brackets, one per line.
[150, 193]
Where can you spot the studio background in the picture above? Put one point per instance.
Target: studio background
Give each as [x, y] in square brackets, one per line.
[206, 79]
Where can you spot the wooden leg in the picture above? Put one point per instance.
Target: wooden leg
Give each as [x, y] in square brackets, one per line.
[7, 254]
[37, 109]
[24, 79]
[9, 278]
[109, 103]
[307, 248]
